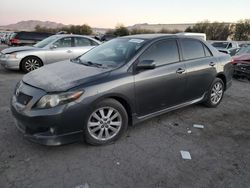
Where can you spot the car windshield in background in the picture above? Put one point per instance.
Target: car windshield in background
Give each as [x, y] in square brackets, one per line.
[244, 50]
[46, 41]
[220, 44]
[113, 53]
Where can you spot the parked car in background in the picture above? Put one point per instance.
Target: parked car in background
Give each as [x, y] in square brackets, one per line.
[245, 49]
[125, 80]
[202, 36]
[7, 37]
[52, 49]
[241, 63]
[27, 38]
[105, 38]
[228, 47]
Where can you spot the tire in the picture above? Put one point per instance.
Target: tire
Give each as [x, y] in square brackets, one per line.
[30, 63]
[215, 93]
[106, 122]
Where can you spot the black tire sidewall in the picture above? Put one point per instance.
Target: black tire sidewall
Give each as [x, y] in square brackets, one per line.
[26, 59]
[110, 103]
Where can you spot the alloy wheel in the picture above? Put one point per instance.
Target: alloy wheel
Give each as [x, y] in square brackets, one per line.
[104, 123]
[217, 92]
[31, 64]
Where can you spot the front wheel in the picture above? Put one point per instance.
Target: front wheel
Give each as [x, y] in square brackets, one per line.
[30, 63]
[215, 93]
[106, 123]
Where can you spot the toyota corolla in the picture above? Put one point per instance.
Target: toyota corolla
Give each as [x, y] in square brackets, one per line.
[119, 83]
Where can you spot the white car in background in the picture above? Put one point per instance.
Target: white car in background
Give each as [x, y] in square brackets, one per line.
[52, 49]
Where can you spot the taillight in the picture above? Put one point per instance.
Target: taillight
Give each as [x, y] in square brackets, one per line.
[14, 41]
[233, 62]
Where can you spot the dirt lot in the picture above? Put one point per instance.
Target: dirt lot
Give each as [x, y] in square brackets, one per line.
[147, 156]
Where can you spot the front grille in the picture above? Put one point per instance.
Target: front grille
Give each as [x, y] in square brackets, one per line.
[243, 67]
[23, 98]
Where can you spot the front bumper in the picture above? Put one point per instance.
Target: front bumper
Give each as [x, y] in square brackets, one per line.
[242, 70]
[48, 138]
[9, 63]
[55, 126]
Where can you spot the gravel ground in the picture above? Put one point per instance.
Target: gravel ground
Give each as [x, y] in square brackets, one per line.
[147, 156]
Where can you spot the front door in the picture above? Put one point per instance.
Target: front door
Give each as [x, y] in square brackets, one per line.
[163, 86]
[61, 50]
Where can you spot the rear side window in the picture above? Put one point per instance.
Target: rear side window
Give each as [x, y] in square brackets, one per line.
[207, 51]
[64, 42]
[192, 49]
[162, 52]
[81, 41]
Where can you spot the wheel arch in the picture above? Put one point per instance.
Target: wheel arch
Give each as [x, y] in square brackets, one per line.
[223, 78]
[123, 101]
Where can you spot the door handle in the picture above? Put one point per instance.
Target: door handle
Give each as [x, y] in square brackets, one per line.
[180, 70]
[212, 64]
[69, 51]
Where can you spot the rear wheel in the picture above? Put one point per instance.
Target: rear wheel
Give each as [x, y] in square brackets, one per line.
[30, 63]
[106, 123]
[215, 93]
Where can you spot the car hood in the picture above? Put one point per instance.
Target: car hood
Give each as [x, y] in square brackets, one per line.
[18, 49]
[62, 76]
[244, 57]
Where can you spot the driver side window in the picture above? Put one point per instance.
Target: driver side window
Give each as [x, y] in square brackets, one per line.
[64, 42]
[162, 52]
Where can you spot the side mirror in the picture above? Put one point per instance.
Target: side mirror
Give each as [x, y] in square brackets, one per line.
[53, 46]
[146, 65]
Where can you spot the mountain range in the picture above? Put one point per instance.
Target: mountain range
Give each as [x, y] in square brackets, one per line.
[30, 25]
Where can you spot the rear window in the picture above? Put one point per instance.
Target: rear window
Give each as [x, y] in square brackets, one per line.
[192, 49]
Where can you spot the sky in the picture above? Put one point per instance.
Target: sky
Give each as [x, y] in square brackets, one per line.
[109, 13]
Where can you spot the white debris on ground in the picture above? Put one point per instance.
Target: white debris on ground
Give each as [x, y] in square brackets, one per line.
[185, 155]
[189, 131]
[118, 163]
[86, 185]
[198, 126]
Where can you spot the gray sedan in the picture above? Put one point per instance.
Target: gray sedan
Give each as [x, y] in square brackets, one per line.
[50, 50]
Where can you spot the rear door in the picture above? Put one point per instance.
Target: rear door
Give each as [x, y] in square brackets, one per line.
[62, 50]
[82, 45]
[200, 67]
[163, 86]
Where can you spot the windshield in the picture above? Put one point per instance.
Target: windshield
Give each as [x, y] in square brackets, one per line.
[244, 50]
[46, 41]
[220, 44]
[113, 53]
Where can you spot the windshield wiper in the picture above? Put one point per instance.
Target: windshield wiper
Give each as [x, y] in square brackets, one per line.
[89, 63]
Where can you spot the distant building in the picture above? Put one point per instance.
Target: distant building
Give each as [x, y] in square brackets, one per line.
[158, 27]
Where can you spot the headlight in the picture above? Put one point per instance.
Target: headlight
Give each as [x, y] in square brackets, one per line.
[50, 101]
[12, 56]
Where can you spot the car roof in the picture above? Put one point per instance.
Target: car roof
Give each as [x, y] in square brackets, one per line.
[149, 36]
[158, 36]
[71, 35]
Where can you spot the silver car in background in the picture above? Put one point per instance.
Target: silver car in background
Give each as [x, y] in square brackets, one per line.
[52, 49]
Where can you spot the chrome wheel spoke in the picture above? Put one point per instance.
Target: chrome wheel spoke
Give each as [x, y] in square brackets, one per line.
[109, 113]
[95, 129]
[114, 116]
[107, 135]
[93, 124]
[102, 113]
[117, 123]
[100, 134]
[113, 129]
[97, 117]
